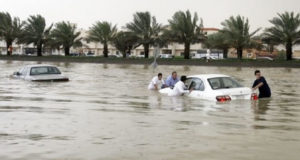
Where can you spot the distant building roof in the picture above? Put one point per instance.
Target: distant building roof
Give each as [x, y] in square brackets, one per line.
[210, 29]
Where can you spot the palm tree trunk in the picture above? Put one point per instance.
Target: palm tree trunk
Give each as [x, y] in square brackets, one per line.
[146, 50]
[124, 53]
[8, 50]
[67, 51]
[105, 50]
[271, 48]
[289, 51]
[240, 52]
[187, 50]
[39, 49]
[225, 53]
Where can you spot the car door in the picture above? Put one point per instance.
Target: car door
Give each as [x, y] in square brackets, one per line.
[198, 88]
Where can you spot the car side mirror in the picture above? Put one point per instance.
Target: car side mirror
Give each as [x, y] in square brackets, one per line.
[17, 73]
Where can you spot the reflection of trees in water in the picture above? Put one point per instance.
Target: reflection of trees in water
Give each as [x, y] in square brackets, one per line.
[238, 69]
[146, 66]
[67, 64]
[186, 68]
[288, 70]
[123, 66]
[9, 62]
[229, 69]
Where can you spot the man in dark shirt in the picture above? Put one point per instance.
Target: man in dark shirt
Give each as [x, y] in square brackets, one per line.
[261, 84]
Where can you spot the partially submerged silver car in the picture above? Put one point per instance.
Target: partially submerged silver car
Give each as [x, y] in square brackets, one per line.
[40, 73]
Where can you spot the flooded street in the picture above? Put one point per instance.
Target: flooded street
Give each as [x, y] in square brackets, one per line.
[106, 112]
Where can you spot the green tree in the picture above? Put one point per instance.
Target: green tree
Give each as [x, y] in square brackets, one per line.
[237, 31]
[146, 28]
[125, 42]
[185, 29]
[285, 31]
[10, 29]
[36, 32]
[218, 41]
[66, 35]
[269, 43]
[103, 32]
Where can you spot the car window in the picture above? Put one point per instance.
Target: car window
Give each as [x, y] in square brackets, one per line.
[24, 71]
[223, 82]
[44, 70]
[21, 71]
[188, 82]
[230, 83]
[197, 84]
[215, 83]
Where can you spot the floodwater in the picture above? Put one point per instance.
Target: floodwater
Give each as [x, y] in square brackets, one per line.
[106, 113]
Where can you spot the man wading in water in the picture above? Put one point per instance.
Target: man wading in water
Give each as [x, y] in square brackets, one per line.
[261, 84]
[179, 88]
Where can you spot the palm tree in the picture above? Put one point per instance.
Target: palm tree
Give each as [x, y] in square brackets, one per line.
[103, 32]
[124, 42]
[237, 31]
[183, 28]
[218, 41]
[286, 31]
[35, 32]
[269, 42]
[10, 29]
[146, 28]
[64, 34]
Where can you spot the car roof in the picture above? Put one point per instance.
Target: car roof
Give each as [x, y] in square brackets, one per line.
[39, 65]
[207, 76]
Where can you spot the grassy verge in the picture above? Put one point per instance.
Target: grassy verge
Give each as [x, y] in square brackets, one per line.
[175, 61]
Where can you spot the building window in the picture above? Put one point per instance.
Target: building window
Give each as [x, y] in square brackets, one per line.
[166, 51]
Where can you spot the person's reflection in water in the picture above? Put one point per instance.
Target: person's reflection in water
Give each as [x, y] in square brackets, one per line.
[260, 108]
[105, 66]
[179, 104]
[155, 100]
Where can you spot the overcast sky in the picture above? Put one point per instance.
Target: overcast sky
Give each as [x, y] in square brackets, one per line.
[86, 12]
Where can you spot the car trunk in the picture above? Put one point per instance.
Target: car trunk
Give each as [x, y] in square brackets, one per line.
[54, 77]
[237, 93]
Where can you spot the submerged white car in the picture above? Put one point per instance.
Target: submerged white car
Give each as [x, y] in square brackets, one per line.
[215, 87]
[40, 73]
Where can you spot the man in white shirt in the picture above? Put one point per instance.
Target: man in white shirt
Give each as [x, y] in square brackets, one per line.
[180, 88]
[156, 82]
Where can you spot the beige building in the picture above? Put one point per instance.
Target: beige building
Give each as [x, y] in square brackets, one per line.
[173, 48]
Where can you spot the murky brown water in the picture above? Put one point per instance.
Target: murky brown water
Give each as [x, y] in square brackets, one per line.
[106, 112]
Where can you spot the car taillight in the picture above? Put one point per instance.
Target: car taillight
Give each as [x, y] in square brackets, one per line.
[223, 98]
[254, 96]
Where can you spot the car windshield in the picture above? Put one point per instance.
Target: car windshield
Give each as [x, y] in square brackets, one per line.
[223, 83]
[44, 70]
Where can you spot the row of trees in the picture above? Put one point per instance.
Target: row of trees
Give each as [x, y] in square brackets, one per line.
[145, 31]
[285, 31]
